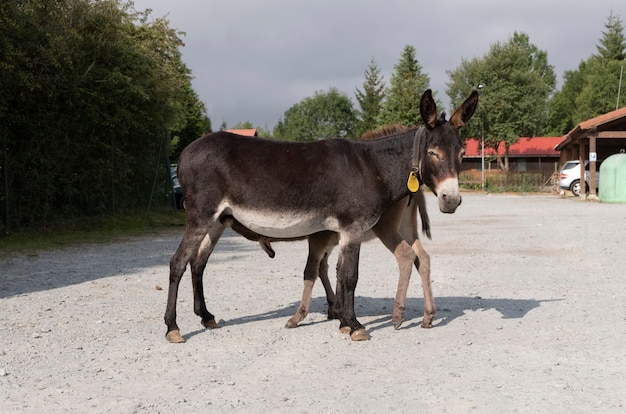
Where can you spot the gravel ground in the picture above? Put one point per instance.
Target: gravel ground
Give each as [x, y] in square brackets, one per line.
[531, 298]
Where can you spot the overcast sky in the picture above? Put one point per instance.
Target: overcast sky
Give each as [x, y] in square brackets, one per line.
[253, 59]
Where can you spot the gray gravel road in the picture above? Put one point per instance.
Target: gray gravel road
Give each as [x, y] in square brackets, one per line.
[531, 297]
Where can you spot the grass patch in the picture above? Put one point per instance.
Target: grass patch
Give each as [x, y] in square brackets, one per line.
[100, 229]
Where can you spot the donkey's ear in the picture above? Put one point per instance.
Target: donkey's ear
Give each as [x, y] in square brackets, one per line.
[465, 111]
[428, 109]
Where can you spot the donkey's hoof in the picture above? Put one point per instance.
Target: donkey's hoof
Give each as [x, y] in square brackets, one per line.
[359, 335]
[174, 337]
[345, 329]
[292, 323]
[211, 324]
[397, 324]
[427, 323]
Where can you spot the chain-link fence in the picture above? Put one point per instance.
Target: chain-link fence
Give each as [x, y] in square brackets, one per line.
[40, 185]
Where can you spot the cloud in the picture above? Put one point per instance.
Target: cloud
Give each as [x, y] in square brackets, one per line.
[253, 60]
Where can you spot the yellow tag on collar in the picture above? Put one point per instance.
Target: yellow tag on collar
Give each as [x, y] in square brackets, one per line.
[413, 183]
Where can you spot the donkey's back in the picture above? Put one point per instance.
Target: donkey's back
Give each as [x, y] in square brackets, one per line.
[277, 188]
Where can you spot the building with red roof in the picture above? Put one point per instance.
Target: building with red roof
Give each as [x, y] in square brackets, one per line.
[536, 154]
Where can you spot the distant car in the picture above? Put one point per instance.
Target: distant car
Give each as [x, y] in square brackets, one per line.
[178, 191]
[570, 176]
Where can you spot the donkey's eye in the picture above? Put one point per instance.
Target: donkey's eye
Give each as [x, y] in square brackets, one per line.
[434, 154]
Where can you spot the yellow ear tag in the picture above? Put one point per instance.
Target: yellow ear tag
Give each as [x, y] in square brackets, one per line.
[413, 183]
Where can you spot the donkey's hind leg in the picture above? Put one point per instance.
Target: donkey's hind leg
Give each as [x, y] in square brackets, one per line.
[194, 242]
[198, 264]
[320, 246]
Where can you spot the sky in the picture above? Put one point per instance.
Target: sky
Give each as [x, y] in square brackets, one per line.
[254, 59]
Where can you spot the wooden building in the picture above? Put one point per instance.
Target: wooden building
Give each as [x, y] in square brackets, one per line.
[537, 154]
[594, 140]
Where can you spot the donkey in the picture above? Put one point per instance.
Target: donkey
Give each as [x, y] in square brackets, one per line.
[400, 218]
[334, 185]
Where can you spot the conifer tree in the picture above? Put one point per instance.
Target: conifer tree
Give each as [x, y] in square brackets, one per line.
[612, 45]
[370, 98]
[593, 88]
[402, 98]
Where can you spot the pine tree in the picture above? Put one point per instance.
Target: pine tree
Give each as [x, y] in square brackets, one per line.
[371, 98]
[613, 44]
[407, 84]
[591, 89]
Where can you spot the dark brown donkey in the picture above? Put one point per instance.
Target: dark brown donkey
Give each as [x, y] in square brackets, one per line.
[402, 218]
[288, 190]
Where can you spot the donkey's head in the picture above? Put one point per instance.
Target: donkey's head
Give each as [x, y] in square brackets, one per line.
[441, 149]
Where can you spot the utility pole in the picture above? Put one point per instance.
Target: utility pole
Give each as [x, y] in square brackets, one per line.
[482, 132]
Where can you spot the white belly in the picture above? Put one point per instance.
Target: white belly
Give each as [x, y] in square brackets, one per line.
[283, 224]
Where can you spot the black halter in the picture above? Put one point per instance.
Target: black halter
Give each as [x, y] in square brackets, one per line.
[419, 147]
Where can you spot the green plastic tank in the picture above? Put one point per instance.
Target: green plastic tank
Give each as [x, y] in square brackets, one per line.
[613, 179]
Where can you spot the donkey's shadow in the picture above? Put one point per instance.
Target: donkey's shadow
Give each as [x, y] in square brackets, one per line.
[448, 309]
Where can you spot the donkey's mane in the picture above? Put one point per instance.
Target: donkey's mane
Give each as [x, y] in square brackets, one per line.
[386, 130]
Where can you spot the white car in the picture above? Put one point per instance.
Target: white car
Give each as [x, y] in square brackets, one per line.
[570, 176]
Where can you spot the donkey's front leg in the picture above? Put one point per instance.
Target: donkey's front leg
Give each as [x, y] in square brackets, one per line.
[422, 263]
[347, 278]
[405, 257]
[320, 245]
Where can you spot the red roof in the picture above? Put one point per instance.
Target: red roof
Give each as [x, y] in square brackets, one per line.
[598, 122]
[525, 147]
[602, 119]
[247, 132]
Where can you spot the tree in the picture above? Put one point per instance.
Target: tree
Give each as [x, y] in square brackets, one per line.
[592, 89]
[88, 87]
[613, 43]
[468, 76]
[243, 125]
[599, 94]
[402, 98]
[195, 124]
[517, 83]
[562, 105]
[324, 115]
[371, 98]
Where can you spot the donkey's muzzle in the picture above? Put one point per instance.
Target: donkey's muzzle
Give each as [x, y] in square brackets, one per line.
[449, 196]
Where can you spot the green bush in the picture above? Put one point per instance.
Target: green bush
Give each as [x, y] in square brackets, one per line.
[514, 182]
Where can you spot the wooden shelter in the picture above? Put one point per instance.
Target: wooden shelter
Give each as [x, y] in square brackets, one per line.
[594, 140]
